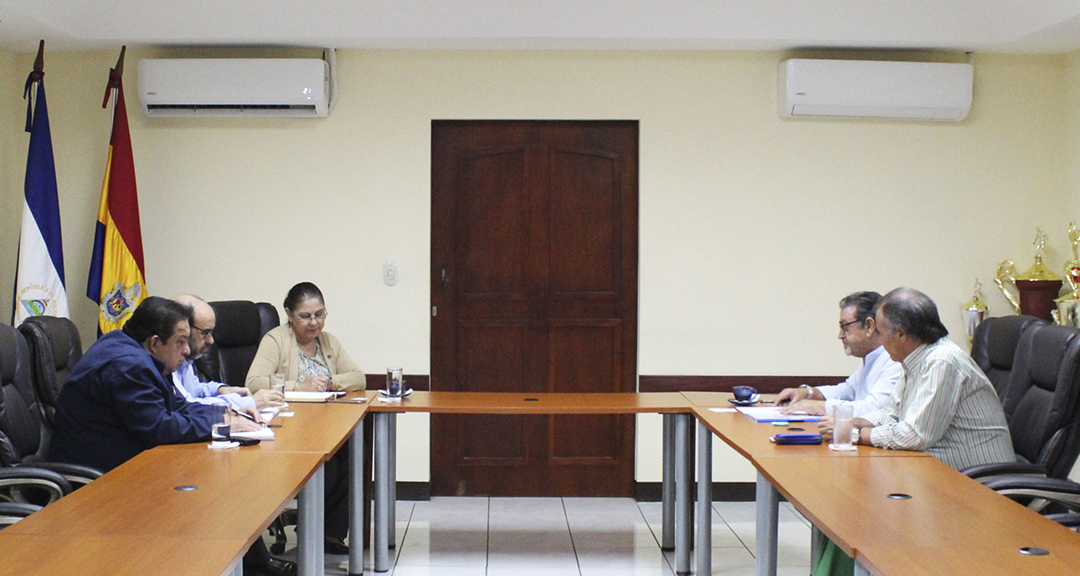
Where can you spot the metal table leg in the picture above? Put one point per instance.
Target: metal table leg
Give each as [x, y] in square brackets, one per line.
[683, 494]
[309, 537]
[861, 570]
[356, 501]
[391, 469]
[768, 514]
[667, 526]
[381, 549]
[704, 501]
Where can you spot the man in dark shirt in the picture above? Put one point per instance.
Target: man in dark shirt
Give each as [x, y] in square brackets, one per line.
[119, 400]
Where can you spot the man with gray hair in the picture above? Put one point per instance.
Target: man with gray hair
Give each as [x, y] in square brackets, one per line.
[870, 387]
[943, 405]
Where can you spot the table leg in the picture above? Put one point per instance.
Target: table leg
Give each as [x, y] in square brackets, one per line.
[381, 551]
[861, 570]
[768, 514]
[667, 525]
[683, 494]
[704, 501]
[815, 541]
[356, 501]
[236, 571]
[309, 537]
[391, 469]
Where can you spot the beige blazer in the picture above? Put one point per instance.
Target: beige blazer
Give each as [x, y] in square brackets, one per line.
[278, 353]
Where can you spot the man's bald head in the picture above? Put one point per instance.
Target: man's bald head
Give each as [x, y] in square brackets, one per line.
[202, 329]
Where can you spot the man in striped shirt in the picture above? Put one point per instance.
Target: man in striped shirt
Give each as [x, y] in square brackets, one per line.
[943, 404]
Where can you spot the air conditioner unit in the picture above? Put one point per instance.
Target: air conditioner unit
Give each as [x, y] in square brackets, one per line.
[293, 87]
[875, 89]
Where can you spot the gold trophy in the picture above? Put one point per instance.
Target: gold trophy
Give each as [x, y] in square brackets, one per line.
[1035, 289]
[1068, 306]
[973, 311]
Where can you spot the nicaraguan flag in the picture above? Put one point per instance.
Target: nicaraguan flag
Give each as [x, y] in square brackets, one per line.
[39, 281]
[116, 268]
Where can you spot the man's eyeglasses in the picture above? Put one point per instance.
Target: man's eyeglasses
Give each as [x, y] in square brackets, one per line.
[844, 325]
[306, 317]
[206, 332]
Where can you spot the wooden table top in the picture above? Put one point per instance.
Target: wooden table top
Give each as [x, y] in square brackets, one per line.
[320, 427]
[49, 555]
[241, 491]
[948, 515]
[539, 403]
[752, 439]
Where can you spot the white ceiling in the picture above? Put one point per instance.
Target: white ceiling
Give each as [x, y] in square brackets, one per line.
[1028, 26]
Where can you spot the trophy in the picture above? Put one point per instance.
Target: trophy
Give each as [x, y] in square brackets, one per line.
[1035, 289]
[1068, 306]
[973, 311]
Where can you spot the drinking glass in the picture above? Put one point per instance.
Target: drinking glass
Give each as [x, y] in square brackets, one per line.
[842, 415]
[221, 429]
[393, 382]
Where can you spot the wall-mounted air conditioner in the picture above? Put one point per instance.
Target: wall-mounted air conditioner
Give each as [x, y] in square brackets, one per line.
[875, 89]
[294, 87]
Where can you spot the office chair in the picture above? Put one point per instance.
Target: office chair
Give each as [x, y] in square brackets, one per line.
[55, 348]
[11, 512]
[1040, 405]
[239, 328]
[1056, 498]
[21, 426]
[994, 344]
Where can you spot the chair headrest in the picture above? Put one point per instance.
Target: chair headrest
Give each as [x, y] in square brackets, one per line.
[63, 338]
[1048, 349]
[1003, 336]
[238, 323]
[8, 353]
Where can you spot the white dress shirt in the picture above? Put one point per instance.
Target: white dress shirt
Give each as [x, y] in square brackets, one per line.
[193, 390]
[869, 388]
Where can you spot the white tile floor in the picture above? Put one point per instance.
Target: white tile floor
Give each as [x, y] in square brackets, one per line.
[568, 536]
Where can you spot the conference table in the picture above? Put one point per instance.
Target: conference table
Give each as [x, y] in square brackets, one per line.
[678, 462]
[894, 512]
[186, 509]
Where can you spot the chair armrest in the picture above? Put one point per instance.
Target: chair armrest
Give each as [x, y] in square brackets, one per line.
[32, 485]
[12, 512]
[77, 474]
[1067, 519]
[1038, 491]
[986, 472]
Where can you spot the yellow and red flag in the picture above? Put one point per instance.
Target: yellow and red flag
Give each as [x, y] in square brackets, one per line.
[117, 274]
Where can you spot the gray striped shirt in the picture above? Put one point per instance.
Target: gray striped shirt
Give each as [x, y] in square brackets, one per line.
[945, 406]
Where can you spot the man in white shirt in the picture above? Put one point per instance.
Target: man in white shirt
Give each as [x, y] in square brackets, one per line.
[188, 384]
[869, 388]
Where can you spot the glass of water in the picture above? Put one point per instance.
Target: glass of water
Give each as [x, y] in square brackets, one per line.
[221, 429]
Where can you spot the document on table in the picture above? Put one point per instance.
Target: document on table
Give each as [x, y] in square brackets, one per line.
[263, 433]
[772, 414]
[297, 396]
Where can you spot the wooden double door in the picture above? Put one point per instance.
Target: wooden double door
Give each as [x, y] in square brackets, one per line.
[534, 289]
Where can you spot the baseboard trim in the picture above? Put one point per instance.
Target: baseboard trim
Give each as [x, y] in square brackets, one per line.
[414, 491]
[721, 491]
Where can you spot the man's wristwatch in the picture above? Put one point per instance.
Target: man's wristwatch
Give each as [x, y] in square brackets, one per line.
[855, 434]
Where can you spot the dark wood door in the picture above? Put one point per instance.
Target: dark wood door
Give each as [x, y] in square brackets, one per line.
[534, 289]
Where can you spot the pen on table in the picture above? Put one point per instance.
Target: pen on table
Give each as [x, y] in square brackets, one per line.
[248, 416]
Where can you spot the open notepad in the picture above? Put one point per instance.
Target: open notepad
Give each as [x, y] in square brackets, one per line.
[297, 396]
[772, 414]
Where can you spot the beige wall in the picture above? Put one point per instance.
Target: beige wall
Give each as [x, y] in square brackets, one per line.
[752, 227]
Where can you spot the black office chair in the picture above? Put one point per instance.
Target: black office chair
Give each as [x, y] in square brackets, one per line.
[1041, 405]
[994, 344]
[21, 425]
[11, 512]
[239, 328]
[55, 348]
[1056, 498]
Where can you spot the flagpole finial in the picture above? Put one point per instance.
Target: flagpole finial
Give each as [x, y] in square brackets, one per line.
[116, 77]
[39, 62]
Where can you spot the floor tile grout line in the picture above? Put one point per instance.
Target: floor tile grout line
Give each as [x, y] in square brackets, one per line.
[570, 531]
